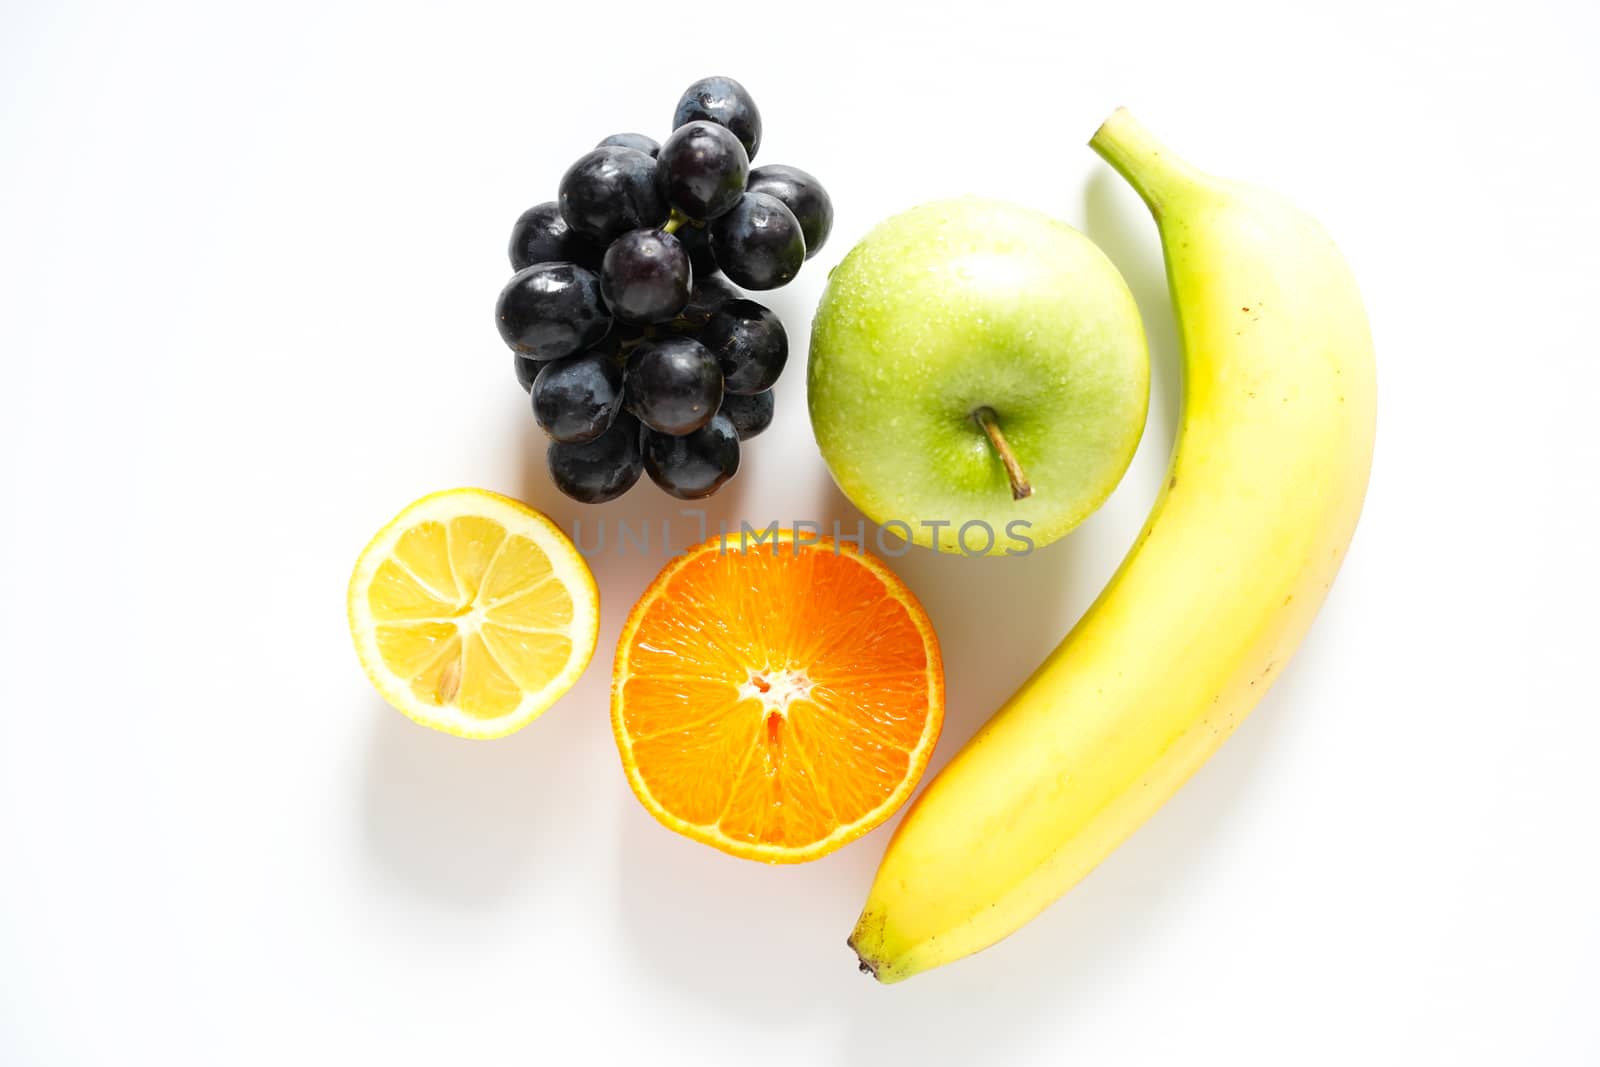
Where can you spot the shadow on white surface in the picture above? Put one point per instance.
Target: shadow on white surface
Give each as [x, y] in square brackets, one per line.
[747, 939]
[449, 818]
[469, 824]
[993, 621]
[1116, 220]
[767, 943]
[622, 567]
[1058, 966]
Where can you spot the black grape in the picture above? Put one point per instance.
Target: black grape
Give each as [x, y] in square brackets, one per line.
[710, 292]
[527, 371]
[672, 384]
[645, 277]
[758, 244]
[725, 102]
[693, 465]
[541, 235]
[750, 414]
[637, 141]
[696, 240]
[551, 310]
[702, 169]
[592, 472]
[750, 345]
[610, 191]
[576, 399]
[801, 194]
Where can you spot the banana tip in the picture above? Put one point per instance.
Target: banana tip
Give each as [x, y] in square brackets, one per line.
[863, 963]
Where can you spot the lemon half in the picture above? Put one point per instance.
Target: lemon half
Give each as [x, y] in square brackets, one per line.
[472, 613]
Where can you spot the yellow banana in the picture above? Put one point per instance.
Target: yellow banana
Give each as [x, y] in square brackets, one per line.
[1267, 479]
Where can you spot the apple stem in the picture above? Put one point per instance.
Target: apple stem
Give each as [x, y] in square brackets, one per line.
[1021, 488]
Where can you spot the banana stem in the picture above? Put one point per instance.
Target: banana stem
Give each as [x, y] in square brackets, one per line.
[1021, 488]
[1153, 171]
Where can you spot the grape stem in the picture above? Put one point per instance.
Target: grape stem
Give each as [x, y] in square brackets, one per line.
[1021, 488]
[675, 222]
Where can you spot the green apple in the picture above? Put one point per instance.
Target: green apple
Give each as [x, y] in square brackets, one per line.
[977, 365]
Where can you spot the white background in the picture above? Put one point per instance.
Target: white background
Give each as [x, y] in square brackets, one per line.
[247, 261]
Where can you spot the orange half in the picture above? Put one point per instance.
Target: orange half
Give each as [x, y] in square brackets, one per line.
[776, 700]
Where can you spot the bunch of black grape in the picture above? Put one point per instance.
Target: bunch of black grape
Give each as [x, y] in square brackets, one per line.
[638, 355]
